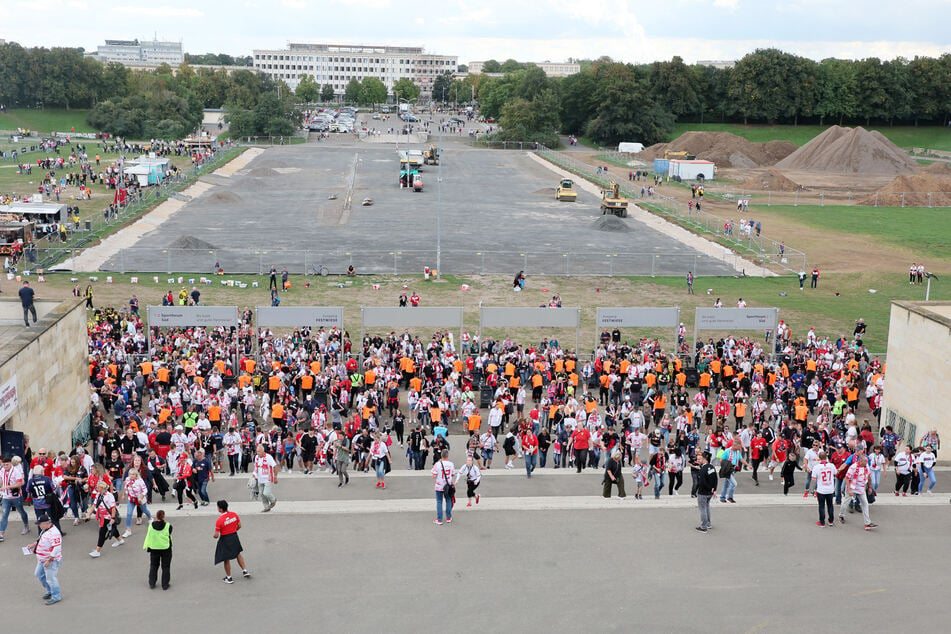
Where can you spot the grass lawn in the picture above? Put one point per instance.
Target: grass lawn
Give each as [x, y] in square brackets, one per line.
[829, 313]
[45, 121]
[932, 137]
[926, 229]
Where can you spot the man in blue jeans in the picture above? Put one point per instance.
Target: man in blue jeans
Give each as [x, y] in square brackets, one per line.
[49, 555]
[11, 490]
[202, 470]
[733, 458]
[443, 472]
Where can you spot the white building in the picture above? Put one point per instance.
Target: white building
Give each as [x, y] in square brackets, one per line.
[337, 64]
[717, 63]
[135, 53]
[552, 69]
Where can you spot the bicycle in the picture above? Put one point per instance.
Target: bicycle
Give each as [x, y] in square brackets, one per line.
[319, 269]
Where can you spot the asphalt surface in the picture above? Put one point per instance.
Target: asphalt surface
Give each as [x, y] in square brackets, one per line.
[498, 215]
[758, 570]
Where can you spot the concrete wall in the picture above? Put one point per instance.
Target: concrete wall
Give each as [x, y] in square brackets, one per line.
[49, 361]
[916, 397]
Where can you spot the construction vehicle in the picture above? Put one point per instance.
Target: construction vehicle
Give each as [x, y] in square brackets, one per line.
[417, 183]
[681, 154]
[612, 202]
[431, 156]
[565, 192]
[415, 159]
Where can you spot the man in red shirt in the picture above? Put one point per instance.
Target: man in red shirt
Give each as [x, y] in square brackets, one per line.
[529, 450]
[229, 546]
[41, 458]
[759, 449]
[780, 447]
[580, 440]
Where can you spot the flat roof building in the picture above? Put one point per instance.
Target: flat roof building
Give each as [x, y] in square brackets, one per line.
[136, 54]
[337, 64]
[552, 69]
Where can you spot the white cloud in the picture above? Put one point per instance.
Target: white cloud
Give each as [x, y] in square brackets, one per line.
[161, 12]
[294, 4]
[732, 5]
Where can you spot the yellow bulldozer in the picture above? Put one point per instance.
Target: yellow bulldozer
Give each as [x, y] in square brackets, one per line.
[565, 191]
[612, 202]
[681, 154]
[431, 156]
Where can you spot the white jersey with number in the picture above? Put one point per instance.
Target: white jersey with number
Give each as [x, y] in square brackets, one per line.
[824, 475]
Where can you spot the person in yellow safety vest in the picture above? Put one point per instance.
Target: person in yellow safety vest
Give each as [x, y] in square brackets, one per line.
[158, 543]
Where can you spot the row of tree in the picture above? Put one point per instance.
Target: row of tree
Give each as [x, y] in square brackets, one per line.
[610, 101]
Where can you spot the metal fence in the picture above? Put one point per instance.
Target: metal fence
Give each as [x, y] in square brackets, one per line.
[243, 261]
[763, 251]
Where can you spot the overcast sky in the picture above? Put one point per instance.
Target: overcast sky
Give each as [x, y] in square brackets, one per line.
[537, 30]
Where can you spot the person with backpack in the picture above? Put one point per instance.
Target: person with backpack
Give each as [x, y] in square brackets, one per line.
[443, 472]
[706, 489]
[107, 513]
[730, 461]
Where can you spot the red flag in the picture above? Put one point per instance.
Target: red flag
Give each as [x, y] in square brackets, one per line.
[122, 195]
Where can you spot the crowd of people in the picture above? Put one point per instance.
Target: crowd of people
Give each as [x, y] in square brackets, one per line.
[173, 410]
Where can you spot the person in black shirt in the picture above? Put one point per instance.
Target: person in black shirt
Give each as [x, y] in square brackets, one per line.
[706, 489]
[415, 441]
[544, 442]
[308, 450]
[26, 299]
[613, 475]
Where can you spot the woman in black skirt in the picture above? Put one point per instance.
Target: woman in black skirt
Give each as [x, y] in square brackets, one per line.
[229, 546]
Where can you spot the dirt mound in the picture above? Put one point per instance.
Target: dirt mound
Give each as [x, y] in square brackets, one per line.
[610, 222]
[724, 149]
[929, 187]
[222, 198]
[263, 172]
[850, 151]
[770, 180]
[190, 242]
[545, 191]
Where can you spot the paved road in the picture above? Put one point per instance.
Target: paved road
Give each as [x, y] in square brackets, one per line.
[759, 570]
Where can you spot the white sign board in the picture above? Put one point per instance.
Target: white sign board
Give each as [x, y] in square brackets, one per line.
[407, 317]
[638, 317]
[185, 316]
[530, 317]
[8, 398]
[295, 316]
[728, 319]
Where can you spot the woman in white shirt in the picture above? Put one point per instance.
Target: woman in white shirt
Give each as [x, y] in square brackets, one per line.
[379, 455]
[675, 465]
[926, 460]
[473, 477]
[876, 463]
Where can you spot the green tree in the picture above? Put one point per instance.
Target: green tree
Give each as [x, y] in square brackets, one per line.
[352, 92]
[578, 102]
[626, 111]
[530, 82]
[770, 85]
[837, 94]
[372, 91]
[308, 91]
[491, 66]
[442, 86]
[510, 66]
[674, 86]
[327, 93]
[404, 88]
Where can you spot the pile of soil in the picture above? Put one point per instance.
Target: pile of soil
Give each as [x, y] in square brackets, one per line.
[262, 172]
[772, 180]
[724, 149]
[222, 198]
[850, 151]
[190, 242]
[545, 191]
[610, 222]
[934, 179]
